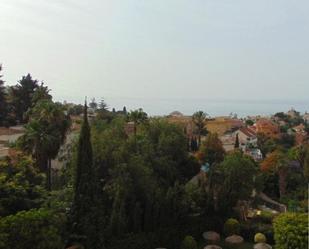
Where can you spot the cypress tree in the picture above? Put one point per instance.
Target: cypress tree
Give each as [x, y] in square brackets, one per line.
[236, 146]
[83, 220]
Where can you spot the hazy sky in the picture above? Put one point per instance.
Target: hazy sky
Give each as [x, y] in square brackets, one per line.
[159, 53]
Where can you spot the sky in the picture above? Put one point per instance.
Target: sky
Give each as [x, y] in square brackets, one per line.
[220, 56]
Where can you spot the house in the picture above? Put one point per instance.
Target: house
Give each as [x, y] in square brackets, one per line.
[247, 137]
[228, 142]
[176, 114]
[292, 113]
[255, 153]
[8, 136]
[306, 118]
[129, 128]
[301, 134]
[223, 125]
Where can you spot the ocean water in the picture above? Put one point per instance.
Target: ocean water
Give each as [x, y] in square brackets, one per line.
[214, 107]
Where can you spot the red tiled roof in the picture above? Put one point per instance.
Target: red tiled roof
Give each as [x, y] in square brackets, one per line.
[248, 132]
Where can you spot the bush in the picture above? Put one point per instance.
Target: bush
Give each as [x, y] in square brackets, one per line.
[231, 226]
[189, 243]
[259, 238]
[34, 229]
[250, 228]
[291, 231]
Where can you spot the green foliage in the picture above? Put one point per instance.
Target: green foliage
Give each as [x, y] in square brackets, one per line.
[249, 122]
[189, 243]
[231, 226]
[251, 227]
[138, 117]
[44, 134]
[83, 216]
[266, 144]
[21, 186]
[259, 238]
[75, 110]
[142, 178]
[233, 180]
[212, 150]
[21, 96]
[37, 229]
[291, 231]
[199, 120]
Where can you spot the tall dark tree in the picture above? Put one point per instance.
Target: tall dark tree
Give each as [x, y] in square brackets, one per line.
[236, 146]
[124, 110]
[3, 102]
[82, 218]
[21, 96]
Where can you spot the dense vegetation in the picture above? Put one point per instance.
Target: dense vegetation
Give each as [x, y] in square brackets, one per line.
[136, 182]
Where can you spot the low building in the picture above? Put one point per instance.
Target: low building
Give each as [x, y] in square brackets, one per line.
[228, 142]
[8, 136]
[255, 153]
[306, 118]
[247, 137]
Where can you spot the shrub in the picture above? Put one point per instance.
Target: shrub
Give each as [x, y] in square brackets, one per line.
[34, 229]
[291, 231]
[231, 226]
[259, 238]
[189, 243]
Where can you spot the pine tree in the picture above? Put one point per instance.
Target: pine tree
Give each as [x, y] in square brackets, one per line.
[83, 211]
[236, 146]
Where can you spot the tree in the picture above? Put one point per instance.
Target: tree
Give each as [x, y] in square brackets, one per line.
[3, 101]
[212, 150]
[266, 144]
[41, 92]
[291, 230]
[37, 229]
[199, 119]
[76, 110]
[21, 185]
[236, 146]
[44, 134]
[138, 117]
[235, 181]
[93, 104]
[82, 215]
[249, 122]
[21, 96]
[124, 110]
[103, 106]
[277, 162]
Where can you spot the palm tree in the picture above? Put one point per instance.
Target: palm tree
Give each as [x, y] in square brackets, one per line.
[199, 119]
[138, 117]
[44, 134]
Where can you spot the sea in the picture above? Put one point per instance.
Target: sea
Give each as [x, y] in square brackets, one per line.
[213, 107]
